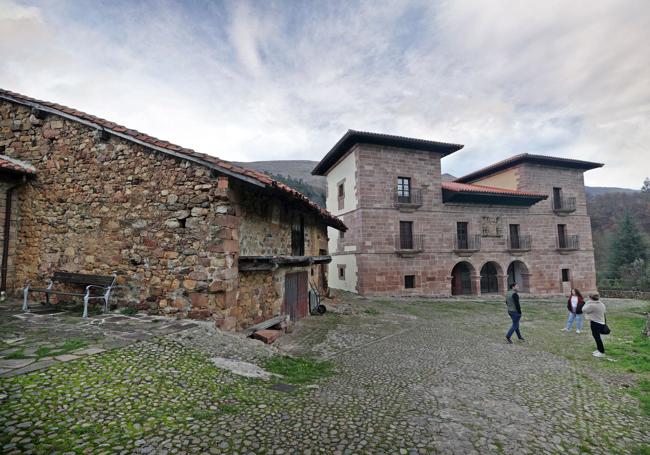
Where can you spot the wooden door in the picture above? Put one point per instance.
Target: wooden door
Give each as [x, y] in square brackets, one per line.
[296, 295]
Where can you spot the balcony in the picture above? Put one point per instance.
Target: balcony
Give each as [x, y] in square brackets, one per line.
[409, 246]
[568, 243]
[408, 202]
[519, 244]
[466, 245]
[564, 205]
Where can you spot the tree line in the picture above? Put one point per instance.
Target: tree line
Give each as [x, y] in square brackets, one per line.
[621, 232]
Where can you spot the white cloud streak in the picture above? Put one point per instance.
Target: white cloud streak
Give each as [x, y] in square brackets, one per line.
[260, 80]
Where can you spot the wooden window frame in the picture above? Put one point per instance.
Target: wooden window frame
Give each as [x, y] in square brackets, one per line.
[340, 194]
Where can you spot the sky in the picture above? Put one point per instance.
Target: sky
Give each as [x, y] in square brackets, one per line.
[278, 80]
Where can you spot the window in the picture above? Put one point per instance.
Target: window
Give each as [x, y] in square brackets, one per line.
[561, 236]
[341, 234]
[557, 198]
[404, 190]
[565, 275]
[406, 235]
[341, 194]
[409, 281]
[298, 236]
[341, 268]
[461, 235]
[514, 237]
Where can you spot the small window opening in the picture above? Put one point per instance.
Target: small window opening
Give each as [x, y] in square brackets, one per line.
[565, 275]
[341, 272]
[409, 281]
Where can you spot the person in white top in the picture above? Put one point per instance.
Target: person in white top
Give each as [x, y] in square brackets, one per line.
[595, 312]
[574, 305]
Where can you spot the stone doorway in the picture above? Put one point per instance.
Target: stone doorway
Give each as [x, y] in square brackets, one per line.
[518, 273]
[490, 278]
[461, 279]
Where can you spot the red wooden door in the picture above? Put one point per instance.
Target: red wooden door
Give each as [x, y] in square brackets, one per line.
[296, 295]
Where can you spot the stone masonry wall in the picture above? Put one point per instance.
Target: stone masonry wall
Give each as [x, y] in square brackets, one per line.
[165, 226]
[11, 266]
[266, 231]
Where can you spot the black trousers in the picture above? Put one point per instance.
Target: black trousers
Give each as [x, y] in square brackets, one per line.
[596, 328]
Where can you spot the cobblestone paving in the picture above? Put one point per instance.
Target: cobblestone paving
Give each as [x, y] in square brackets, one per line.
[411, 378]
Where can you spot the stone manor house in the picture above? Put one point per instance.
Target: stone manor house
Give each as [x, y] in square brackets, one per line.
[523, 219]
[187, 234]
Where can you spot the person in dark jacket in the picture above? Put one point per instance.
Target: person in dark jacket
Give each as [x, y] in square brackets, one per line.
[574, 305]
[514, 310]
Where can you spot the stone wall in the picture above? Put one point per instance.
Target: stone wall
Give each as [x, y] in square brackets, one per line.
[11, 266]
[165, 226]
[265, 230]
[625, 294]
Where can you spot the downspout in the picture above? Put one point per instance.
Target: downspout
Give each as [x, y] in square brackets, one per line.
[5, 238]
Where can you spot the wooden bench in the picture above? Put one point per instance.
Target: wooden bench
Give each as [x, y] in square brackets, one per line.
[96, 287]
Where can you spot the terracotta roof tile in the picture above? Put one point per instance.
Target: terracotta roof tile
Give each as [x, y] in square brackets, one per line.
[14, 165]
[330, 219]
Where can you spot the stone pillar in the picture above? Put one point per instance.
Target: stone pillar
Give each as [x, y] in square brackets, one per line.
[476, 284]
[503, 283]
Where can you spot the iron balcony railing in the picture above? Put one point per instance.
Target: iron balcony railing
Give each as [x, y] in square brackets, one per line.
[568, 242]
[467, 243]
[564, 204]
[520, 243]
[412, 243]
[412, 199]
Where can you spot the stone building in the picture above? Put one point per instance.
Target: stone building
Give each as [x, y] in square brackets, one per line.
[187, 234]
[523, 219]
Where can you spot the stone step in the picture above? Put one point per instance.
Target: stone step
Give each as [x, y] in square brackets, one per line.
[268, 336]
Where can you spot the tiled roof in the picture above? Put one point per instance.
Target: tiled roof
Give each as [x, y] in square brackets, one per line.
[212, 162]
[353, 137]
[467, 188]
[13, 165]
[528, 158]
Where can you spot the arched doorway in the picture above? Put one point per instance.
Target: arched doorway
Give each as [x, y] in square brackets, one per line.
[461, 279]
[518, 273]
[490, 278]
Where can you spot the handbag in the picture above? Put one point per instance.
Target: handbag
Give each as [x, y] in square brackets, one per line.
[605, 330]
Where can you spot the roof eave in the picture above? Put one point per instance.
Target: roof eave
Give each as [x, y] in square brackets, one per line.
[353, 137]
[549, 161]
[451, 196]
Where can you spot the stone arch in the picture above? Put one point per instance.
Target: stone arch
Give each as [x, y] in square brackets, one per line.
[462, 279]
[491, 278]
[518, 272]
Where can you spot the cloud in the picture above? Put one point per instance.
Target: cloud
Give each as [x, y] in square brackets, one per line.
[262, 80]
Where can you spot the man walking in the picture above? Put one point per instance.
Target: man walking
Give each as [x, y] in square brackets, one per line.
[514, 310]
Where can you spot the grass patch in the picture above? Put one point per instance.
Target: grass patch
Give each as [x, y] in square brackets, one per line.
[128, 311]
[19, 354]
[372, 311]
[299, 370]
[66, 348]
[630, 349]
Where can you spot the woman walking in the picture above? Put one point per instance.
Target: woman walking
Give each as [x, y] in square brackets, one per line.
[574, 305]
[595, 312]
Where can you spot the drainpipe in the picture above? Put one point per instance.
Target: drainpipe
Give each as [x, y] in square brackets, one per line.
[5, 238]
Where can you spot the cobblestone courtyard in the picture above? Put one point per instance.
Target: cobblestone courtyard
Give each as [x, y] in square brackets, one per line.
[410, 377]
